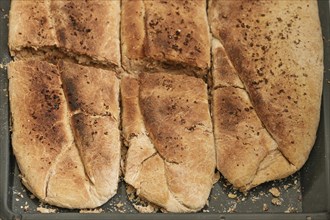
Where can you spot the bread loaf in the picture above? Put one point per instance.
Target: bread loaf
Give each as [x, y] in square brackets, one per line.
[267, 72]
[167, 125]
[67, 148]
[165, 35]
[88, 31]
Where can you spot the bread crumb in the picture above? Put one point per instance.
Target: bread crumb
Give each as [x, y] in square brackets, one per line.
[275, 192]
[291, 210]
[232, 196]
[138, 203]
[26, 207]
[232, 208]
[265, 207]
[147, 209]
[32, 196]
[45, 210]
[119, 205]
[287, 186]
[276, 202]
[91, 210]
[255, 198]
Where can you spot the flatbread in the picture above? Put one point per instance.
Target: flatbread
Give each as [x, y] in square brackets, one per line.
[85, 30]
[68, 157]
[167, 126]
[165, 35]
[274, 54]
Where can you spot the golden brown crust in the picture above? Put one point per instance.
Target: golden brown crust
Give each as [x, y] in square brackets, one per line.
[98, 141]
[179, 102]
[88, 27]
[68, 186]
[223, 72]
[243, 145]
[132, 32]
[177, 31]
[38, 111]
[30, 25]
[134, 132]
[159, 102]
[87, 31]
[46, 144]
[79, 85]
[276, 50]
[274, 166]
[131, 116]
[167, 36]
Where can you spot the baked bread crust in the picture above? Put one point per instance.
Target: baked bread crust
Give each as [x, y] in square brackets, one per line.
[30, 25]
[87, 31]
[165, 35]
[247, 155]
[172, 168]
[68, 158]
[276, 50]
[266, 89]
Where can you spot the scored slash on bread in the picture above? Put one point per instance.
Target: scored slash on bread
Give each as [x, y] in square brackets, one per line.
[267, 86]
[88, 31]
[67, 149]
[167, 126]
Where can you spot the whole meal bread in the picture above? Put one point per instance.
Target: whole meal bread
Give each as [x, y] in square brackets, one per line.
[184, 86]
[165, 35]
[268, 72]
[67, 148]
[168, 130]
[88, 31]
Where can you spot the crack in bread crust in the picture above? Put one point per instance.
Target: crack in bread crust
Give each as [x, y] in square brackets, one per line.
[167, 170]
[52, 169]
[281, 65]
[54, 166]
[54, 55]
[84, 39]
[165, 160]
[251, 182]
[259, 118]
[69, 121]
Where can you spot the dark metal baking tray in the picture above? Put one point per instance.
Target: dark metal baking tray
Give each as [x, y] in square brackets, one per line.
[304, 195]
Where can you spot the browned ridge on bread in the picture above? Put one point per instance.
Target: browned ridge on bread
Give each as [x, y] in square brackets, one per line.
[66, 141]
[167, 126]
[267, 85]
[85, 30]
[165, 35]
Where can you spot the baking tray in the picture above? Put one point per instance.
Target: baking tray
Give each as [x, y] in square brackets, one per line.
[304, 195]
